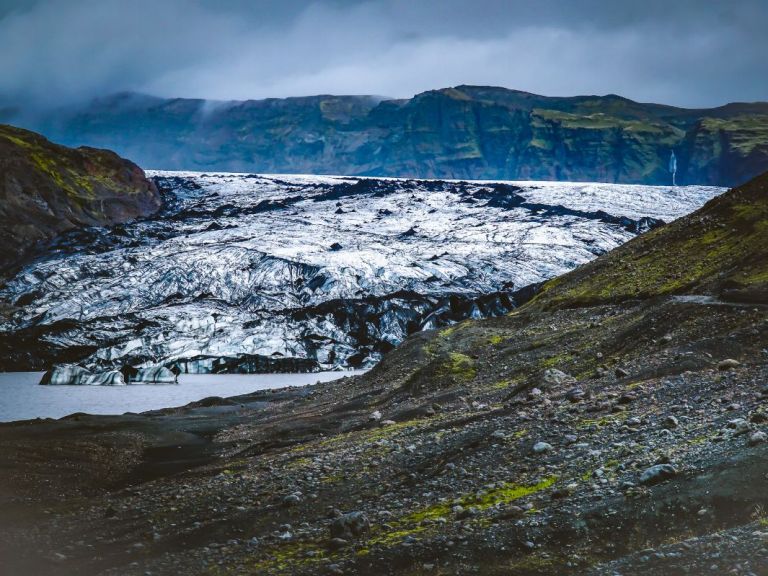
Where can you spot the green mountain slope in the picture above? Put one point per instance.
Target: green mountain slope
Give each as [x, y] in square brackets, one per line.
[46, 189]
[720, 251]
[461, 132]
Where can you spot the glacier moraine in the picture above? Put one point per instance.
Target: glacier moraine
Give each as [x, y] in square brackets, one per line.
[253, 273]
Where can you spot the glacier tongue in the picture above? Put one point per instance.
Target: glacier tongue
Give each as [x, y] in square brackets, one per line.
[245, 273]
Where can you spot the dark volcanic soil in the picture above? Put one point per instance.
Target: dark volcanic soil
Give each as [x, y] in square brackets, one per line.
[453, 485]
[616, 424]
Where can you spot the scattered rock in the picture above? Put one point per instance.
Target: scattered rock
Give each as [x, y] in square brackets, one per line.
[337, 543]
[575, 395]
[350, 526]
[758, 437]
[627, 398]
[555, 376]
[292, 499]
[739, 426]
[657, 473]
[466, 512]
[565, 491]
[758, 417]
[541, 447]
[671, 422]
[728, 364]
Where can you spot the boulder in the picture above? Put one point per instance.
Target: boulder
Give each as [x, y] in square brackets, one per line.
[575, 395]
[65, 375]
[541, 447]
[657, 473]
[728, 364]
[350, 526]
[758, 437]
[555, 376]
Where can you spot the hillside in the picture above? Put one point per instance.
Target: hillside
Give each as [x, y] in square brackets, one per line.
[720, 251]
[46, 189]
[470, 132]
[616, 424]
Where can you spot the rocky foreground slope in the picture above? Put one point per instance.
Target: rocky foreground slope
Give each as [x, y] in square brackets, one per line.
[249, 273]
[616, 424]
[473, 132]
[47, 189]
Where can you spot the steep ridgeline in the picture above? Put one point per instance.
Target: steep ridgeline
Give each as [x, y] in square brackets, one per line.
[615, 424]
[464, 132]
[47, 189]
[248, 273]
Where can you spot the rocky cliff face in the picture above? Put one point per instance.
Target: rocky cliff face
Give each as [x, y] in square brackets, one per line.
[465, 132]
[47, 189]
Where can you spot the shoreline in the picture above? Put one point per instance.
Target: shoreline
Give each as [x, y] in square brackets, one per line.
[32, 401]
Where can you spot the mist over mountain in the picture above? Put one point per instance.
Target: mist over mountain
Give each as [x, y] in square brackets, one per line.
[66, 51]
[466, 132]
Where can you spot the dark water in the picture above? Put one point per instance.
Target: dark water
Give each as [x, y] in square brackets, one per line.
[21, 397]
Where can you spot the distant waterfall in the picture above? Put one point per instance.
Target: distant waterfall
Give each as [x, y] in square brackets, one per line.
[673, 167]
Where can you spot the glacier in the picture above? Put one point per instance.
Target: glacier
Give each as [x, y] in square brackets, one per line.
[261, 273]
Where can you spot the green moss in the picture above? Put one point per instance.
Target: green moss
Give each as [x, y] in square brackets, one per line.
[16, 140]
[603, 421]
[354, 438]
[509, 383]
[459, 366]
[422, 520]
[297, 463]
[506, 493]
[556, 360]
[286, 558]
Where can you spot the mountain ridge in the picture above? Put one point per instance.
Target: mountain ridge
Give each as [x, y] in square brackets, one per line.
[463, 132]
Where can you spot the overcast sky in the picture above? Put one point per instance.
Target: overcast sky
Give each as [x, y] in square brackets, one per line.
[684, 52]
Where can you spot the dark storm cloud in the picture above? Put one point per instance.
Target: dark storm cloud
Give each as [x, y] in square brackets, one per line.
[686, 52]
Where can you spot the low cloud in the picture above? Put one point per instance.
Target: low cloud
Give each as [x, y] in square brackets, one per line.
[688, 53]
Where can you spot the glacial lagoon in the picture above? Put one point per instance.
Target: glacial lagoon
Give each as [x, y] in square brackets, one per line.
[22, 398]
